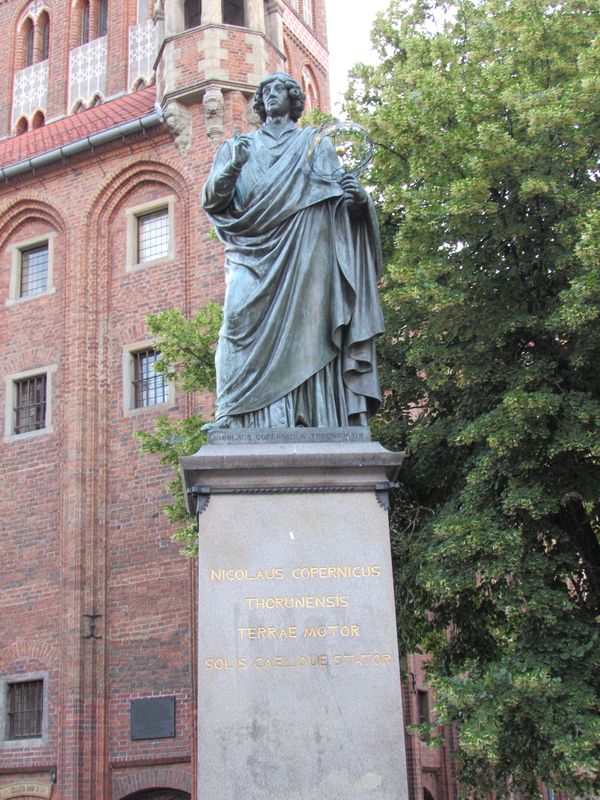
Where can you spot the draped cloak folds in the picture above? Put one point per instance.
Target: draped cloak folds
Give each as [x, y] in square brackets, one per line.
[301, 283]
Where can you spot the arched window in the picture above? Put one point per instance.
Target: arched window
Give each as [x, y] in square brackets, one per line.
[39, 120]
[96, 101]
[233, 12]
[44, 29]
[192, 10]
[22, 125]
[308, 12]
[103, 26]
[85, 21]
[309, 87]
[28, 36]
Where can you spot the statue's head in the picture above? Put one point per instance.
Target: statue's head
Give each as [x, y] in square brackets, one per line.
[295, 93]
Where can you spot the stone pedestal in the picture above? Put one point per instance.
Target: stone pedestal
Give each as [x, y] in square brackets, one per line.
[299, 686]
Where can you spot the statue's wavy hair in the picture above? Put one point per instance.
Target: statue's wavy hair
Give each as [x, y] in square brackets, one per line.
[296, 95]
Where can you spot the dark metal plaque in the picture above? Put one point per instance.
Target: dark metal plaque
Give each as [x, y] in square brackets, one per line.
[153, 718]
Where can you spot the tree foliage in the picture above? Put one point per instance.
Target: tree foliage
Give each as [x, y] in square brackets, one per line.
[186, 349]
[487, 120]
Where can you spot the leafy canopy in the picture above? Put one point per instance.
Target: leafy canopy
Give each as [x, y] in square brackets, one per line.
[486, 178]
[186, 349]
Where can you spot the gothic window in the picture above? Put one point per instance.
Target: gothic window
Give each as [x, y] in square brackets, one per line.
[233, 12]
[308, 12]
[85, 22]
[192, 13]
[29, 39]
[309, 88]
[38, 120]
[103, 26]
[142, 11]
[44, 28]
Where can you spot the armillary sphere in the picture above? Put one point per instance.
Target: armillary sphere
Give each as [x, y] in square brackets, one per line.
[339, 148]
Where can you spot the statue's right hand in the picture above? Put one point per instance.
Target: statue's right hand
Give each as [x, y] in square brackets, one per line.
[241, 151]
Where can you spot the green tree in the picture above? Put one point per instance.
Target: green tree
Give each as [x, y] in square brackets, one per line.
[186, 349]
[487, 117]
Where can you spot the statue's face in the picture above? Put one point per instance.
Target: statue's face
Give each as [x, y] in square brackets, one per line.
[276, 99]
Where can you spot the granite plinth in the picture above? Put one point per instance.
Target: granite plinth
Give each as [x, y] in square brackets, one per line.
[278, 459]
[298, 687]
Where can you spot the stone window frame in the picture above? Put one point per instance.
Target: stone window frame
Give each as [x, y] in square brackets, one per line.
[132, 215]
[10, 384]
[129, 407]
[16, 250]
[5, 682]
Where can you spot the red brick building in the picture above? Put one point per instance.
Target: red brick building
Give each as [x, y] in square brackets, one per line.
[110, 112]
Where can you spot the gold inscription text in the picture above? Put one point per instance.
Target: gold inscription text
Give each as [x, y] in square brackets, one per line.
[267, 633]
[309, 601]
[226, 665]
[273, 574]
[356, 571]
[331, 631]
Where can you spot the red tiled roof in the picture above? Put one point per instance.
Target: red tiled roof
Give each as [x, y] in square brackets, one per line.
[77, 126]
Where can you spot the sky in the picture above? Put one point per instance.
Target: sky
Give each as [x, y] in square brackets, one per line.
[349, 27]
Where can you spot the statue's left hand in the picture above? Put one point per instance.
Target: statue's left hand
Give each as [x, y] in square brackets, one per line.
[354, 194]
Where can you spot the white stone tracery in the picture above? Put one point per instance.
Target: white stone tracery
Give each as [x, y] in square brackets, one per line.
[143, 44]
[87, 71]
[31, 91]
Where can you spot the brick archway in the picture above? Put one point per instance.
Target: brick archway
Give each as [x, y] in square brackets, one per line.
[158, 783]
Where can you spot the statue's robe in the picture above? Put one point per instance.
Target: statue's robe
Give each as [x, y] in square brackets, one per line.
[301, 304]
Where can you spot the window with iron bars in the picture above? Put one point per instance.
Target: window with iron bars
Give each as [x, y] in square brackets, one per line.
[149, 387]
[25, 709]
[153, 235]
[34, 270]
[30, 404]
[233, 12]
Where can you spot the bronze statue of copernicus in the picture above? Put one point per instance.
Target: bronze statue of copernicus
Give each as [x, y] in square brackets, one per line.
[302, 257]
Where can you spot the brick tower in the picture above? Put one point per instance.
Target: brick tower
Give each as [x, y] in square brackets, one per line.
[110, 113]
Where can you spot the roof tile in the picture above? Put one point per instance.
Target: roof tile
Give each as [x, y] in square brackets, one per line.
[77, 126]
